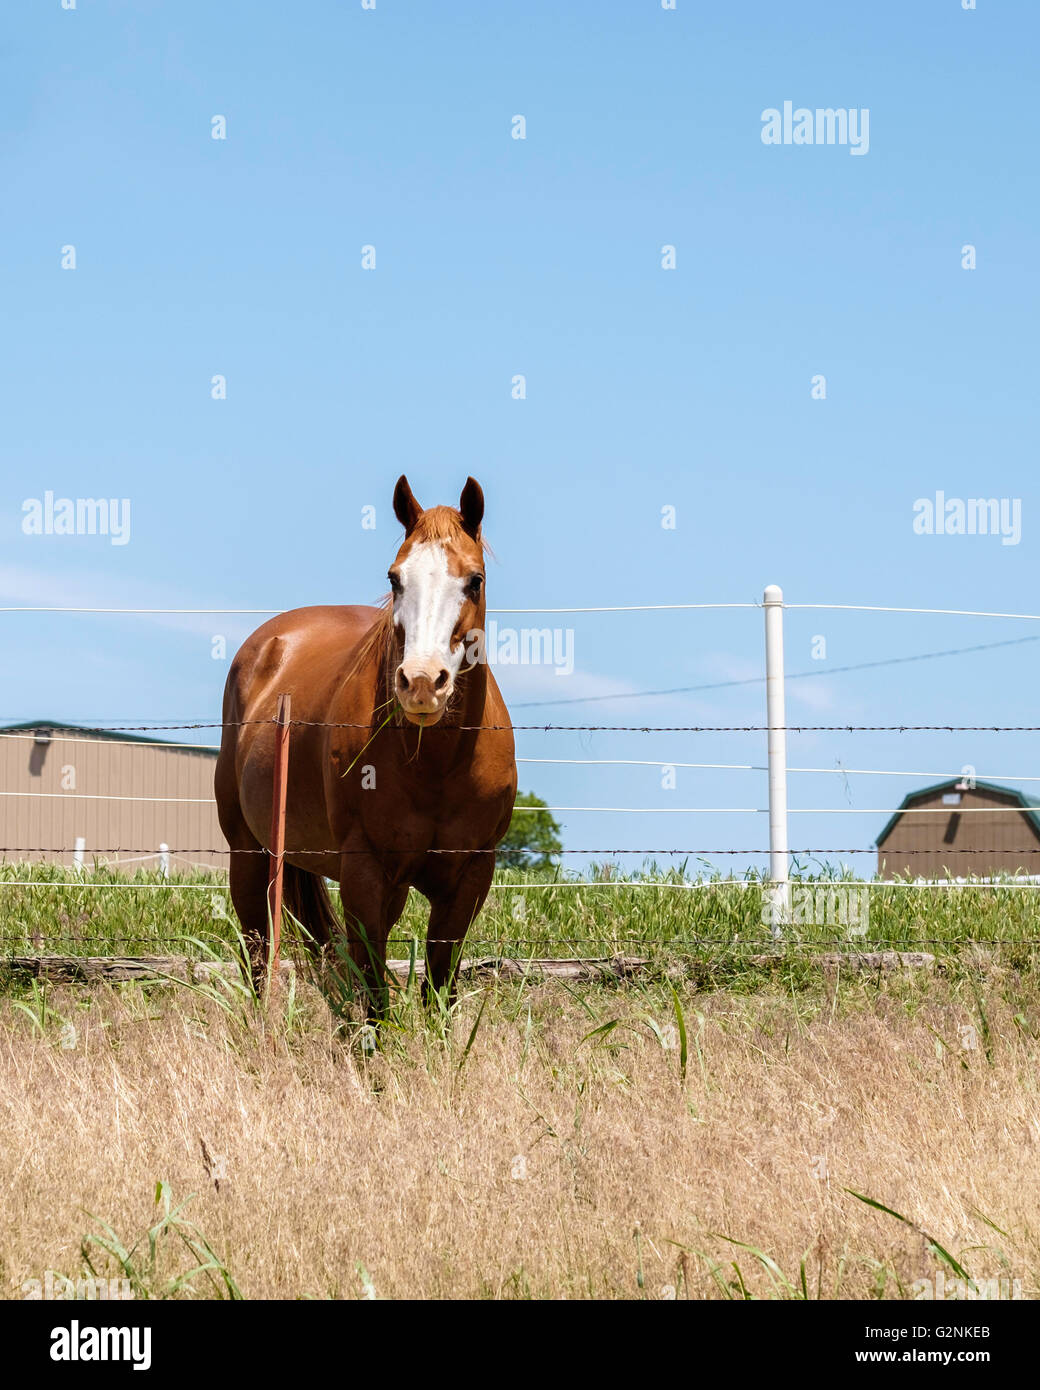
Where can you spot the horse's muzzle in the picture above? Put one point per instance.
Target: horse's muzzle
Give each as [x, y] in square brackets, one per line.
[423, 692]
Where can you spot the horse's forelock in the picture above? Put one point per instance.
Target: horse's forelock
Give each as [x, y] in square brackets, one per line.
[438, 524]
[443, 525]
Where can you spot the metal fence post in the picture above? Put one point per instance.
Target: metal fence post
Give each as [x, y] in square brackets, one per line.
[277, 845]
[779, 891]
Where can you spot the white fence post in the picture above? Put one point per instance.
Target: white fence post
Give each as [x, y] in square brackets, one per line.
[79, 850]
[164, 861]
[779, 892]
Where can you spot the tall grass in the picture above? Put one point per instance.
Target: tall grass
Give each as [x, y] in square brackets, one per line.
[848, 1140]
[716, 1126]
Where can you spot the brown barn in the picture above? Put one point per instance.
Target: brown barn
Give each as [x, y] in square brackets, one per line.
[69, 794]
[963, 830]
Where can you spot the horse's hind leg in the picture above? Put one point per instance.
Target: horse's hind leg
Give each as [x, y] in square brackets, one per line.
[247, 875]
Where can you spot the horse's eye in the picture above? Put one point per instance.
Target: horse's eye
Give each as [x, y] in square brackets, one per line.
[395, 583]
[475, 581]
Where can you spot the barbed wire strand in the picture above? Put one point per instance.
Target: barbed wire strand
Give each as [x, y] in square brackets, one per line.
[902, 943]
[589, 728]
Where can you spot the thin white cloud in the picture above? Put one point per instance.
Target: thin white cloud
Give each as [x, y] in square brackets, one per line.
[24, 586]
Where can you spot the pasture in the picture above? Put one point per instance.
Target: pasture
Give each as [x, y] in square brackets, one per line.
[697, 1129]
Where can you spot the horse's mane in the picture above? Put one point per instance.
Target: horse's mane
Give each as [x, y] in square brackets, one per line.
[377, 640]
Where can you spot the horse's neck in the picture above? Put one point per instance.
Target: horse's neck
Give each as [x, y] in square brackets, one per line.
[473, 703]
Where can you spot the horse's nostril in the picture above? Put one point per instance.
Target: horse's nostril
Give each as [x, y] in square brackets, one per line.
[441, 681]
[402, 680]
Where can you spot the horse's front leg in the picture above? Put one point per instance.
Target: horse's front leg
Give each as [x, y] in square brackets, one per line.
[454, 905]
[366, 894]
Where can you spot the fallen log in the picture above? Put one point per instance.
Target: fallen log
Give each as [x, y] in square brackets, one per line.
[92, 969]
[96, 969]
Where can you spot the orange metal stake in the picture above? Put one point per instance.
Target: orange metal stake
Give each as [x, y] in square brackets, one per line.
[277, 845]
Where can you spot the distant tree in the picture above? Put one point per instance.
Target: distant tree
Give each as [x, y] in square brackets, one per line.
[533, 837]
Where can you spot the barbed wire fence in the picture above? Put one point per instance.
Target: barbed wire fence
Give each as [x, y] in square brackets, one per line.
[776, 886]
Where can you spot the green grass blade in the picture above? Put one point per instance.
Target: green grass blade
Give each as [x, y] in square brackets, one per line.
[680, 1023]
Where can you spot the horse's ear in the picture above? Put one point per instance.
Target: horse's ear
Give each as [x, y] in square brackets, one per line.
[406, 508]
[471, 505]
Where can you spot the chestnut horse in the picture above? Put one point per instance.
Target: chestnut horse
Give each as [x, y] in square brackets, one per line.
[401, 764]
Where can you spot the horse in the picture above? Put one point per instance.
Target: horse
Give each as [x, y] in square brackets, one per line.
[401, 769]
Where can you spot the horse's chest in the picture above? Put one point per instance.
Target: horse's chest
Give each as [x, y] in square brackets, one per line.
[421, 818]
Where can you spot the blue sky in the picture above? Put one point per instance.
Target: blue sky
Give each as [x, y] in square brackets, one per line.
[645, 387]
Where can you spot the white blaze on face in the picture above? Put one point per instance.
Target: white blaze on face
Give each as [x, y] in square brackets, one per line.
[428, 610]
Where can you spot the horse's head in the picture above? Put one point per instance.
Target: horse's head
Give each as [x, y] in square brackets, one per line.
[437, 581]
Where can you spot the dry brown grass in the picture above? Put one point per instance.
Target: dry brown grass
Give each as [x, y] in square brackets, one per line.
[529, 1166]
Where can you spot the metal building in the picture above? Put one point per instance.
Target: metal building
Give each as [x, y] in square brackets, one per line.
[72, 795]
[961, 829]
